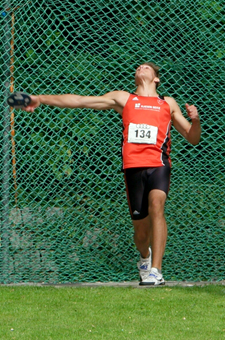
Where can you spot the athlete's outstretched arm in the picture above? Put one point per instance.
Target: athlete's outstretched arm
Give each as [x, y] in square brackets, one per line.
[192, 132]
[111, 100]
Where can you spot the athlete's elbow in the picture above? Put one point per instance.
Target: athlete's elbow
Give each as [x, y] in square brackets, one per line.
[194, 135]
[76, 101]
[194, 140]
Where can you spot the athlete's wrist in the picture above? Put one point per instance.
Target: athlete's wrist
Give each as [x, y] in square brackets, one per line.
[196, 119]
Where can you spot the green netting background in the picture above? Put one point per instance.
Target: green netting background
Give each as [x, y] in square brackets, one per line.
[64, 215]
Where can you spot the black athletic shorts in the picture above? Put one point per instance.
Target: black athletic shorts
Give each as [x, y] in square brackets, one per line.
[139, 182]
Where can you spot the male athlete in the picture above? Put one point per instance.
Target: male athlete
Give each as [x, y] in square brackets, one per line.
[147, 119]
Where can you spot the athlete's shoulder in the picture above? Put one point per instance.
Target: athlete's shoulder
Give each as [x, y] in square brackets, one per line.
[169, 99]
[116, 93]
[171, 102]
[120, 97]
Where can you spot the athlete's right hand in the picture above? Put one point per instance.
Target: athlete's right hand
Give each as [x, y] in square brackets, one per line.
[35, 102]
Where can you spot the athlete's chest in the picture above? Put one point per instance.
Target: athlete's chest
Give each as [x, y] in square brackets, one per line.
[143, 109]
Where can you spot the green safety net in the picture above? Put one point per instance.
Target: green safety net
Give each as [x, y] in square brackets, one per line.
[64, 214]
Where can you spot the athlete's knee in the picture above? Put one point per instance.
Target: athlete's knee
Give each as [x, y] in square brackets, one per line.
[156, 203]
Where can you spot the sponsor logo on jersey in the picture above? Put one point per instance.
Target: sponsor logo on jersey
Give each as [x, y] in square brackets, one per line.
[160, 101]
[147, 107]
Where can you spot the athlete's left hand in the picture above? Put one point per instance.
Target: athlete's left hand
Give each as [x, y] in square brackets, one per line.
[192, 111]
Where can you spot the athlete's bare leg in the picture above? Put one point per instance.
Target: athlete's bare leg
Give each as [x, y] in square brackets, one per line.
[152, 230]
[142, 235]
[158, 230]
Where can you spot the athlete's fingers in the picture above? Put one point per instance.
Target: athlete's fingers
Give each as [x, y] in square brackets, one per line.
[34, 103]
[190, 107]
[192, 111]
[29, 108]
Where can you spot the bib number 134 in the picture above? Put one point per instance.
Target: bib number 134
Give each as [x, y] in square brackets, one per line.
[142, 133]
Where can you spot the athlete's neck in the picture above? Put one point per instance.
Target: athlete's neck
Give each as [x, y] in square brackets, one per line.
[146, 91]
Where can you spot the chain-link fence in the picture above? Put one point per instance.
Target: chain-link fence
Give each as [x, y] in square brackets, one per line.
[63, 203]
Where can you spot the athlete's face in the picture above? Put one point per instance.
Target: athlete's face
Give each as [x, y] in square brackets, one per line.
[144, 72]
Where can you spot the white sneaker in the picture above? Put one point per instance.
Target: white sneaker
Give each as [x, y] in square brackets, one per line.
[144, 266]
[154, 278]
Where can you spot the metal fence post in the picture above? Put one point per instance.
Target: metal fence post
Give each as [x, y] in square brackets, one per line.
[6, 147]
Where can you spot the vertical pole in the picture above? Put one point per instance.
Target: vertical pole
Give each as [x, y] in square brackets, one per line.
[12, 116]
[6, 148]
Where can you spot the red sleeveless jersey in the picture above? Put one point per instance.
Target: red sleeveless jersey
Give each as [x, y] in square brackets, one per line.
[146, 133]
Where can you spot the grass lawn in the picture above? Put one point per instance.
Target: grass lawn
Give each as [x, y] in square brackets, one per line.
[174, 313]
